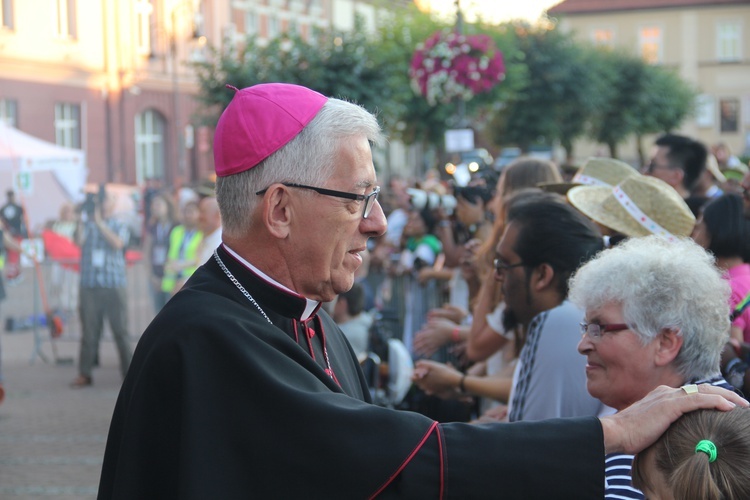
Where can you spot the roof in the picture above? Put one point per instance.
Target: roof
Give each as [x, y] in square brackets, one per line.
[596, 6]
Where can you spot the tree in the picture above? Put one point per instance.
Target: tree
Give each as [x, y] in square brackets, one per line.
[558, 95]
[337, 64]
[668, 101]
[623, 75]
[642, 99]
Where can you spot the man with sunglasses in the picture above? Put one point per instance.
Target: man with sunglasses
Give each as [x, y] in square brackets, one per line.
[242, 387]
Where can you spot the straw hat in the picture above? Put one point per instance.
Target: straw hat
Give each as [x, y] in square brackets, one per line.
[713, 166]
[604, 172]
[638, 206]
[595, 172]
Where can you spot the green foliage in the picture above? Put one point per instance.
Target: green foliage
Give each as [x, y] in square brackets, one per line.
[618, 116]
[668, 101]
[559, 93]
[372, 71]
[337, 64]
[638, 99]
[555, 89]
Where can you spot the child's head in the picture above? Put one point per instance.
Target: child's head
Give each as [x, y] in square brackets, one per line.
[705, 454]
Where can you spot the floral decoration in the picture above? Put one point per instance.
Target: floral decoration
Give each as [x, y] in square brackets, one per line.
[449, 66]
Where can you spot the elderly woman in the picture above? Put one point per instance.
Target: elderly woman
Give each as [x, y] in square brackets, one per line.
[656, 314]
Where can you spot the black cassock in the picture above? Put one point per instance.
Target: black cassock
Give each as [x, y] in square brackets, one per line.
[220, 404]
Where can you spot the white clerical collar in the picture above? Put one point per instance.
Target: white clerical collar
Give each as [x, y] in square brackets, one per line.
[310, 308]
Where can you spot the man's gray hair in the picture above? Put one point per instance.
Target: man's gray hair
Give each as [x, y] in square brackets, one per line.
[309, 159]
[663, 285]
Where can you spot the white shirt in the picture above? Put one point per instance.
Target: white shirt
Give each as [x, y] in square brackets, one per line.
[208, 245]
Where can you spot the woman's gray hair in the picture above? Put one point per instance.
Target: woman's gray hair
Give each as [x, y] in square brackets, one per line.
[662, 285]
[309, 159]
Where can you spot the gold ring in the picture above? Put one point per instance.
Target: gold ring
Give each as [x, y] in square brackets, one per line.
[690, 389]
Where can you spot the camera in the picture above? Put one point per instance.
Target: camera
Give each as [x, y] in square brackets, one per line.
[421, 200]
[474, 193]
[93, 200]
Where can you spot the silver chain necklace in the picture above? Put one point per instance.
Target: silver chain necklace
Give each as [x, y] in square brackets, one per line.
[239, 285]
[328, 368]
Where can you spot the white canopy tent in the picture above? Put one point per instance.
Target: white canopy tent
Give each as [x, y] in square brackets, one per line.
[44, 175]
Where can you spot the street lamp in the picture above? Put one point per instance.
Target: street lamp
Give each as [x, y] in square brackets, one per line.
[177, 115]
[461, 104]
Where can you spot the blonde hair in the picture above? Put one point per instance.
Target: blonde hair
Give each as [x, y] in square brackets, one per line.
[688, 473]
[522, 173]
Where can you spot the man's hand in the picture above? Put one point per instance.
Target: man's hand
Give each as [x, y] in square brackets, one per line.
[638, 426]
[495, 414]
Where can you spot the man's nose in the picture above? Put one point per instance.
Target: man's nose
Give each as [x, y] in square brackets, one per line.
[375, 224]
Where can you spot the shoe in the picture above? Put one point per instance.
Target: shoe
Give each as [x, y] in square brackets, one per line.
[81, 381]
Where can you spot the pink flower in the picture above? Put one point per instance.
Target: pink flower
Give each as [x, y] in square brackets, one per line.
[448, 66]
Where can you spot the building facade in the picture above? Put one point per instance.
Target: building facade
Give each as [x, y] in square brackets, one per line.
[112, 77]
[706, 41]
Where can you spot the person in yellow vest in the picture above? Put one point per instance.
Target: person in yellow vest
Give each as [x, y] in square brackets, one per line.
[184, 241]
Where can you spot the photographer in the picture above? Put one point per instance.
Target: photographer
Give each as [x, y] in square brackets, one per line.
[469, 221]
[103, 288]
[13, 218]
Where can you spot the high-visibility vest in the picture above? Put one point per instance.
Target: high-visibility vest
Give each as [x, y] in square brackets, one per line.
[176, 241]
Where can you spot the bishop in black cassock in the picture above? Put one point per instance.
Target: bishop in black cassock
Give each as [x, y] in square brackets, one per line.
[242, 387]
[221, 403]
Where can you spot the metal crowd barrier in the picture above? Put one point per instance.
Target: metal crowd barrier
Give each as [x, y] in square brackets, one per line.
[22, 311]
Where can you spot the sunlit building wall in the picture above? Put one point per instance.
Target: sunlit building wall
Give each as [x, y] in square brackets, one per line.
[706, 42]
[112, 76]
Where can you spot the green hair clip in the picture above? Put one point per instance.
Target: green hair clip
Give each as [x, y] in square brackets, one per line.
[707, 447]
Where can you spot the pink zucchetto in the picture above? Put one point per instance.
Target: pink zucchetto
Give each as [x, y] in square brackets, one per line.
[259, 121]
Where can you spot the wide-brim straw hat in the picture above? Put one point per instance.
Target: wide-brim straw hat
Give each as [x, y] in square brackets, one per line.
[638, 206]
[595, 172]
[603, 172]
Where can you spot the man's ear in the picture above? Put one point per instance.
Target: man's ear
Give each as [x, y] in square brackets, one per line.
[678, 175]
[543, 277]
[668, 347]
[277, 211]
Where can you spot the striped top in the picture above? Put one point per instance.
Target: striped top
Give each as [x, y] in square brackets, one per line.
[618, 466]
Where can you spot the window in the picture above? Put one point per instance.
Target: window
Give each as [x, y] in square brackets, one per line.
[651, 44]
[143, 11]
[66, 19]
[9, 112]
[728, 41]
[603, 37]
[150, 156]
[705, 111]
[274, 27]
[68, 125]
[6, 14]
[251, 23]
[729, 112]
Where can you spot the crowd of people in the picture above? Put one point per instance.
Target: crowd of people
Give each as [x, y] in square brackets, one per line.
[541, 331]
[89, 247]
